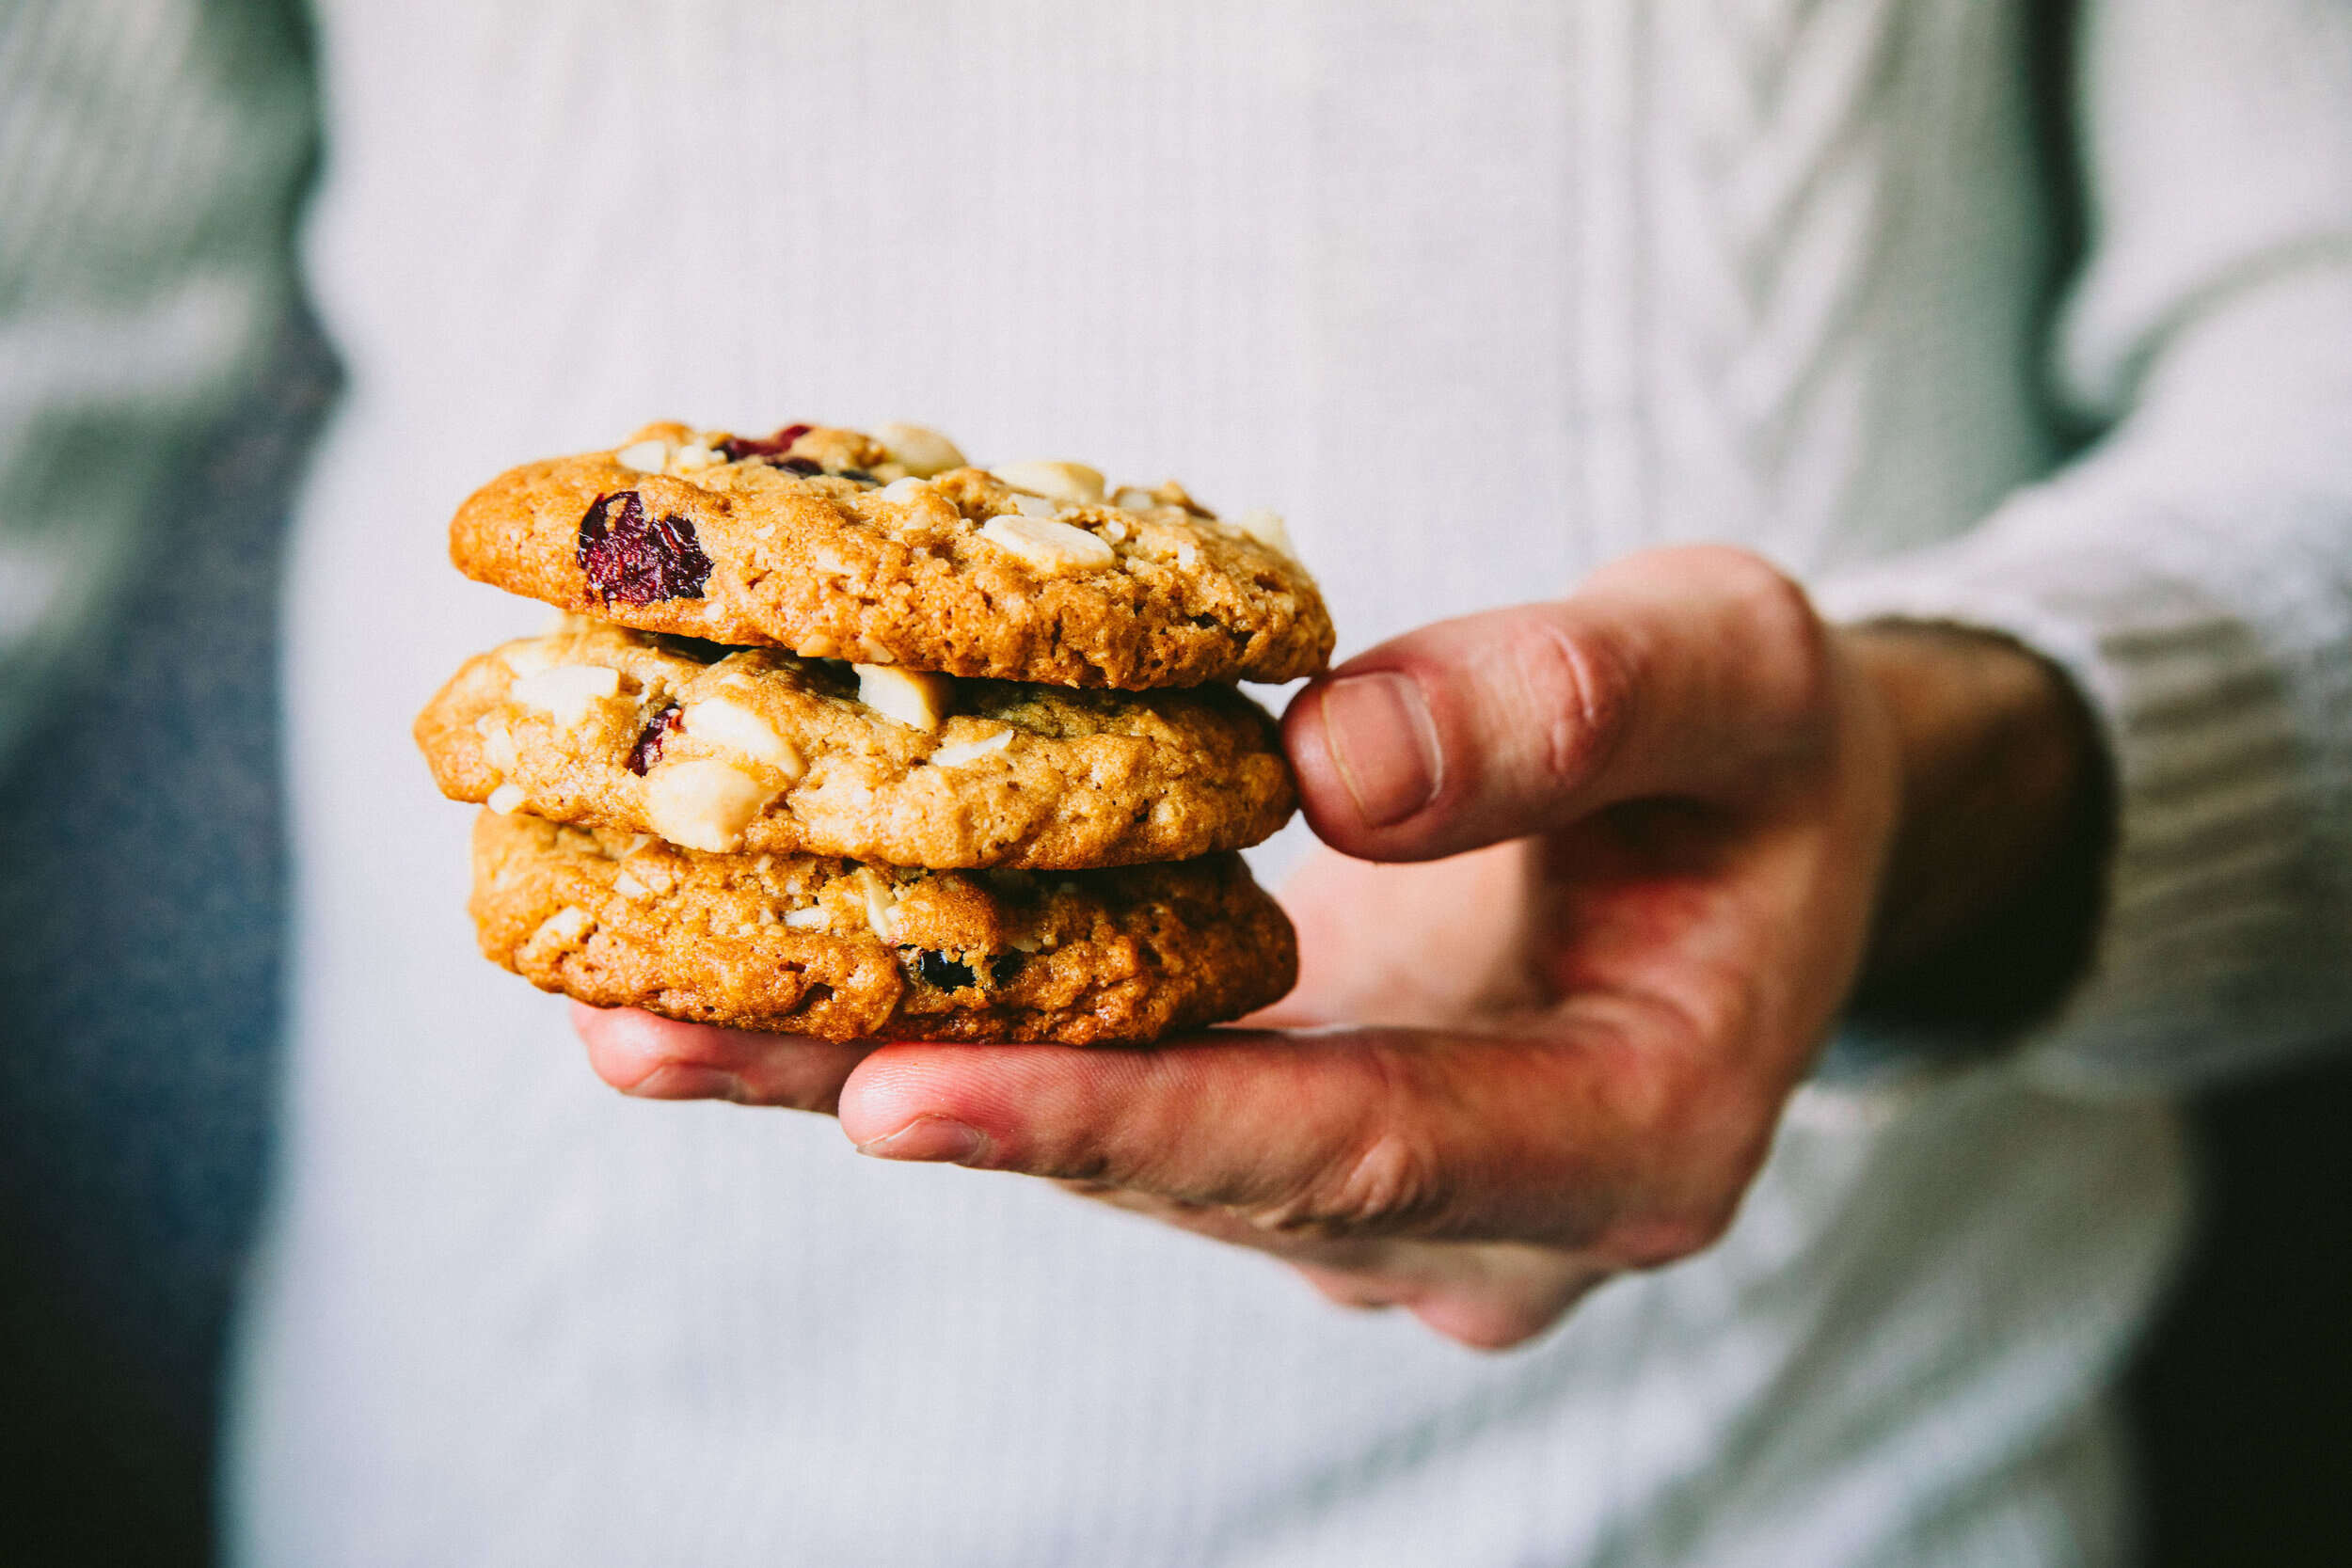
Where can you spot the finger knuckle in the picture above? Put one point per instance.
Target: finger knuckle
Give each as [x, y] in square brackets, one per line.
[1387, 1180]
[1382, 1187]
[1584, 682]
[1784, 635]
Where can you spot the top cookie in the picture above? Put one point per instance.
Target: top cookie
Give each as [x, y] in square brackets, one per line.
[888, 549]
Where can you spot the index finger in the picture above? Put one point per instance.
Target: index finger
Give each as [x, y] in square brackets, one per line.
[651, 1057]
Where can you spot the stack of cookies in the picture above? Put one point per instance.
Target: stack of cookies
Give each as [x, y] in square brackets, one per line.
[841, 736]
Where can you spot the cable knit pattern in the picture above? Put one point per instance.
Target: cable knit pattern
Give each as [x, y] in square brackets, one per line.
[1770, 184]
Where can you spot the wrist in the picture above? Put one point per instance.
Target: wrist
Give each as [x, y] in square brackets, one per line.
[1989, 900]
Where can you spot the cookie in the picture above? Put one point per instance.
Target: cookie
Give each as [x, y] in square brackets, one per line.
[886, 549]
[824, 946]
[723, 748]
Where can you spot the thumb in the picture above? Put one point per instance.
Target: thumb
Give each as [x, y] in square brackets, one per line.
[1674, 672]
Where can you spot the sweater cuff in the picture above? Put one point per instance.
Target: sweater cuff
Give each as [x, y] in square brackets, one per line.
[2207, 894]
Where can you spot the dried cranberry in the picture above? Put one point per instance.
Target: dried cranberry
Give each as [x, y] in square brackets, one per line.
[860, 475]
[648, 748]
[798, 466]
[637, 561]
[737, 448]
[1004, 966]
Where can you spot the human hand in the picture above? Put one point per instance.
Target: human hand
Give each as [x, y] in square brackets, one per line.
[1638, 846]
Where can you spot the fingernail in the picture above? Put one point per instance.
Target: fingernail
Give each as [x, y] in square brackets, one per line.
[936, 1138]
[1384, 744]
[676, 1081]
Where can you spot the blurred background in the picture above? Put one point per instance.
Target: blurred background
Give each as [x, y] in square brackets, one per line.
[143, 880]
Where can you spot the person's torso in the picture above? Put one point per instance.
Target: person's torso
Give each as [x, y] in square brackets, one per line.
[1476, 296]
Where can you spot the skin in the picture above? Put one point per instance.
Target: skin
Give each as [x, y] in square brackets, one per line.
[1602, 874]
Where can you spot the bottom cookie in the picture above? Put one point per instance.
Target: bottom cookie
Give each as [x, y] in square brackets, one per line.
[815, 946]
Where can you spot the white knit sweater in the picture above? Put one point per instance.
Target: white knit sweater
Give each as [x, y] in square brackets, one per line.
[1477, 295]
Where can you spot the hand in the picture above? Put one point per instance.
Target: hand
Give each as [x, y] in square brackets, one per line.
[1637, 845]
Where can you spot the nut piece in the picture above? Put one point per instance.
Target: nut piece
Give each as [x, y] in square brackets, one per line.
[498, 743]
[1267, 529]
[918, 700]
[724, 722]
[565, 926]
[568, 691]
[530, 658]
[645, 457]
[1071, 483]
[920, 451]
[1051, 548]
[882, 902]
[970, 750]
[704, 804]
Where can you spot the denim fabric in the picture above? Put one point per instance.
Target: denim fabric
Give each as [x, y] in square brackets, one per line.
[142, 876]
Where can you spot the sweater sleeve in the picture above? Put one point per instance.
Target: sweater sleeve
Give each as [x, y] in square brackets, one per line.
[2192, 572]
[151, 152]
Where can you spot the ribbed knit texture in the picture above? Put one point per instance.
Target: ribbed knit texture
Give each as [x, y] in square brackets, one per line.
[148, 155]
[1479, 295]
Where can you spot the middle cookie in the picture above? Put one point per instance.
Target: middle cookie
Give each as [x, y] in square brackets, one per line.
[756, 751]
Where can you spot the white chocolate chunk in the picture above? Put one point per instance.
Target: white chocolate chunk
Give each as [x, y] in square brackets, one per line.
[702, 803]
[917, 700]
[903, 492]
[724, 722]
[882, 902]
[814, 918]
[695, 459]
[1267, 529]
[1036, 506]
[1050, 548]
[1071, 483]
[628, 886]
[528, 658]
[568, 691]
[506, 800]
[919, 450]
[497, 742]
[1135, 498]
[645, 457]
[564, 927]
[970, 750]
